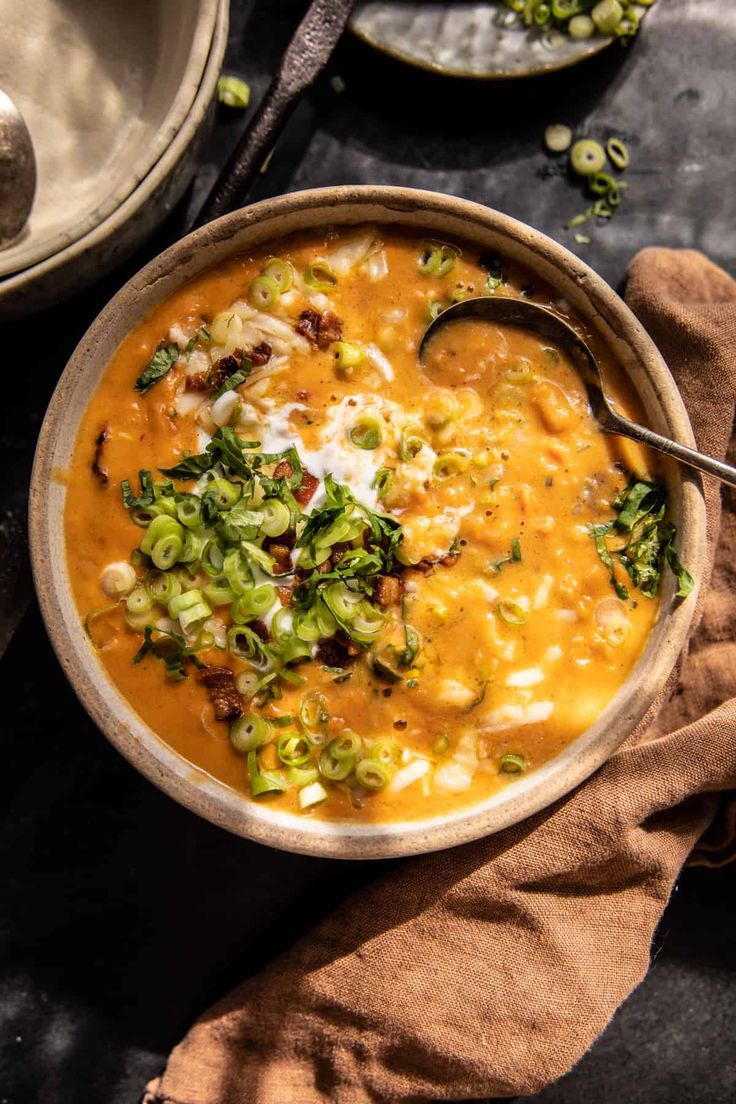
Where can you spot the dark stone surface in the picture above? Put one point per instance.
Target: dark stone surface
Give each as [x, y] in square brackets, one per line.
[123, 915]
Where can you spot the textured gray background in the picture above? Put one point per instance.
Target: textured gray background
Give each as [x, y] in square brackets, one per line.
[122, 915]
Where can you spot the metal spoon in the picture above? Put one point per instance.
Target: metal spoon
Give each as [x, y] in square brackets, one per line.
[520, 312]
[17, 171]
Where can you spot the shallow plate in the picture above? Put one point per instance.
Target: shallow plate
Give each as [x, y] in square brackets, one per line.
[602, 312]
[86, 259]
[467, 39]
[104, 87]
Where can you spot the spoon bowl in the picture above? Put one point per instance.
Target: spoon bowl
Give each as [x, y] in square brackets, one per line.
[504, 311]
[17, 171]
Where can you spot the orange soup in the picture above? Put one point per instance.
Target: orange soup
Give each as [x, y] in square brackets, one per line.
[341, 582]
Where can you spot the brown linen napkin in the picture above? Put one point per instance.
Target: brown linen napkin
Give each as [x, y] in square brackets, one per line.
[488, 970]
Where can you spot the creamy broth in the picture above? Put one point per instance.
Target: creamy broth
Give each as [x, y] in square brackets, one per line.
[486, 457]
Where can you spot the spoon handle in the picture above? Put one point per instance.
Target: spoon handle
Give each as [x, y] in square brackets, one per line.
[685, 455]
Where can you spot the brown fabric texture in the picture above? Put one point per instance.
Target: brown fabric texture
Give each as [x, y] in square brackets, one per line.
[488, 970]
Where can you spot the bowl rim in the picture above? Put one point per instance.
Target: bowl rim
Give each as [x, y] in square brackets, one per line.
[175, 114]
[12, 284]
[188, 784]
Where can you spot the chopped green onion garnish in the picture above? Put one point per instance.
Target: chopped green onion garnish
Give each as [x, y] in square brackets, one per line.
[511, 764]
[320, 276]
[437, 259]
[366, 432]
[511, 613]
[263, 293]
[373, 774]
[281, 272]
[250, 731]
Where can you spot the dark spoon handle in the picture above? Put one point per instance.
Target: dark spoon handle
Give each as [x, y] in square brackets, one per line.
[304, 59]
[699, 460]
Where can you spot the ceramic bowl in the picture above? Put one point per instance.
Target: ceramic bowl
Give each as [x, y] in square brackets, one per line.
[441, 216]
[93, 209]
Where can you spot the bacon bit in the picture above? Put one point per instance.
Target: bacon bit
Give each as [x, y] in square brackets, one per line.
[260, 354]
[400, 725]
[332, 653]
[302, 395]
[220, 683]
[350, 646]
[100, 441]
[260, 628]
[323, 567]
[338, 551]
[283, 470]
[220, 372]
[306, 488]
[196, 381]
[282, 557]
[388, 590]
[285, 593]
[450, 559]
[288, 538]
[320, 330]
[427, 566]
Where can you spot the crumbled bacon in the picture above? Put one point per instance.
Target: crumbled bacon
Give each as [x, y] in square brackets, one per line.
[281, 554]
[220, 372]
[306, 488]
[100, 441]
[320, 330]
[288, 538]
[196, 381]
[224, 695]
[388, 590]
[260, 354]
[332, 653]
[302, 395]
[350, 646]
[285, 593]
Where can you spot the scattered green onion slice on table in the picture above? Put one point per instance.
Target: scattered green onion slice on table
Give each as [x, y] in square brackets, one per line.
[618, 153]
[587, 157]
[233, 92]
[557, 138]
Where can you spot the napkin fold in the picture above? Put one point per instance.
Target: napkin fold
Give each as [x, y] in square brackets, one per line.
[488, 970]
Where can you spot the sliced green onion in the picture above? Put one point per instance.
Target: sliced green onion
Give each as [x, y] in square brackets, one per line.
[302, 776]
[336, 768]
[160, 526]
[366, 432]
[348, 356]
[437, 259]
[320, 276]
[607, 15]
[511, 764]
[449, 464]
[441, 744]
[189, 511]
[434, 309]
[581, 26]
[313, 711]
[410, 445]
[243, 643]
[259, 556]
[218, 591]
[601, 209]
[601, 182]
[223, 493]
[191, 548]
[294, 750]
[236, 570]
[587, 157]
[373, 774]
[263, 293]
[167, 551]
[192, 616]
[386, 750]
[347, 745]
[263, 782]
[290, 650]
[213, 558]
[185, 601]
[516, 550]
[618, 153]
[233, 92]
[162, 587]
[276, 517]
[282, 624]
[139, 602]
[311, 795]
[281, 272]
[254, 603]
[511, 613]
[557, 138]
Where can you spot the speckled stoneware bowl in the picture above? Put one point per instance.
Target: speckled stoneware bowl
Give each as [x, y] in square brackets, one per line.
[443, 216]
